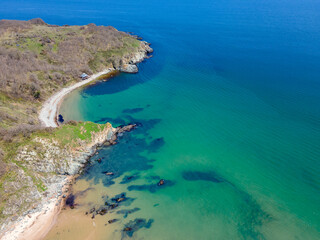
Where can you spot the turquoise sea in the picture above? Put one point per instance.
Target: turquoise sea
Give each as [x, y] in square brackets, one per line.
[228, 112]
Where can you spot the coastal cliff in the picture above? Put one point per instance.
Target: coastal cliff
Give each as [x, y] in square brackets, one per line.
[36, 162]
[52, 156]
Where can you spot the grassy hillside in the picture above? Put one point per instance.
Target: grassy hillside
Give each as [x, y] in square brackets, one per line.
[34, 158]
[36, 60]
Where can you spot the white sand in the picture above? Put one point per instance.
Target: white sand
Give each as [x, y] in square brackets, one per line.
[49, 110]
[35, 226]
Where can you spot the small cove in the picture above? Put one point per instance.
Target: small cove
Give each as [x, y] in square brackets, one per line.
[229, 117]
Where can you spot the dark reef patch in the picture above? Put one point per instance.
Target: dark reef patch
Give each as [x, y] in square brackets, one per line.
[129, 179]
[132, 110]
[152, 178]
[252, 217]
[126, 212]
[113, 220]
[70, 200]
[127, 155]
[134, 225]
[156, 144]
[154, 187]
[119, 200]
[204, 176]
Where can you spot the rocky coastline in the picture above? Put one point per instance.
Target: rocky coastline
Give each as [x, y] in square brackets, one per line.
[46, 205]
[50, 202]
[129, 63]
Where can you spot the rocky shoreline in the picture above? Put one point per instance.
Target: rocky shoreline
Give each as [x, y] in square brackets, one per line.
[130, 64]
[58, 186]
[36, 222]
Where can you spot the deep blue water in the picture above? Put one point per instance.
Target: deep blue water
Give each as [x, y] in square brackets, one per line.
[229, 107]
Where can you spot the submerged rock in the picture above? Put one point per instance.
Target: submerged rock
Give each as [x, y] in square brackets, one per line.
[134, 225]
[102, 211]
[161, 182]
[113, 220]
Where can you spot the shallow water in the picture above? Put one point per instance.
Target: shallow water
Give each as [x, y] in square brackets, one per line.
[229, 114]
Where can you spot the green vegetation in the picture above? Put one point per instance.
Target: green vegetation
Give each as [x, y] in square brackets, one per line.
[66, 136]
[36, 60]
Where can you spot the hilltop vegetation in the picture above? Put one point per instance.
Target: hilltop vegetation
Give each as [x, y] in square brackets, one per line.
[37, 160]
[36, 60]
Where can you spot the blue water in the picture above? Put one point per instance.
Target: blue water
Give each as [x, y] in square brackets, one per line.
[229, 107]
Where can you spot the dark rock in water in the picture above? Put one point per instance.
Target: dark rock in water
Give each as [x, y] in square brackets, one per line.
[70, 201]
[99, 160]
[204, 176]
[120, 199]
[102, 211]
[161, 182]
[134, 225]
[60, 118]
[121, 195]
[126, 128]
[113, 206]
[113, 220]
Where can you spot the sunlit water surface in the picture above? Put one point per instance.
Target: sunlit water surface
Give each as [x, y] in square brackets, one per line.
[228, 113]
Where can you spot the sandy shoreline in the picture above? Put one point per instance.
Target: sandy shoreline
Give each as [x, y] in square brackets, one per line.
[36, 225]
[49, 110]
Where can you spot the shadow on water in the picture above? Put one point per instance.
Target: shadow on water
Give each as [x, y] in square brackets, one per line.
[252, 216]
[149, 70]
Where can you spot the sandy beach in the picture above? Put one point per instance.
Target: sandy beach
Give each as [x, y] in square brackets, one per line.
[49, 110]
[36, 225]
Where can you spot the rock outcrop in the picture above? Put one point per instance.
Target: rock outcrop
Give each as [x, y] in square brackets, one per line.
[128, 64]
[53, 163]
